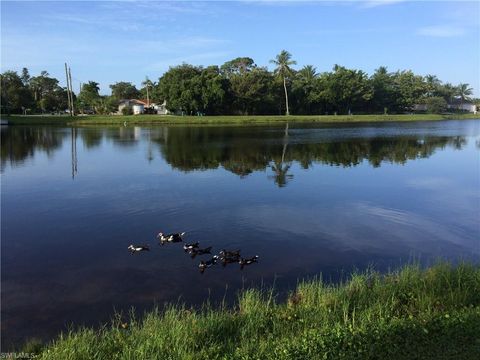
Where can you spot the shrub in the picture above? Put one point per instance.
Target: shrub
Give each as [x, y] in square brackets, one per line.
[436, 104]
[127, 110]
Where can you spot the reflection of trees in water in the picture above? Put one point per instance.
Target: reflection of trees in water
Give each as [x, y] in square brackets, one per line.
[280, 167]
[244, 151]
[240, 150]
[19, 142]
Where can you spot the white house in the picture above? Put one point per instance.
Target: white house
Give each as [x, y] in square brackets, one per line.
[138, 106]
[141, 107]
[455, 104]
[465, 106]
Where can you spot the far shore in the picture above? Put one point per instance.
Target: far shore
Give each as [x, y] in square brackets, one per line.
[220, 120]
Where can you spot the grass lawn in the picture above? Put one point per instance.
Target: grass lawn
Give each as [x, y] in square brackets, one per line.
[408, 314]
[162, 119]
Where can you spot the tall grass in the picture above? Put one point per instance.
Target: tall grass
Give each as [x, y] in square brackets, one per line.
[407, 314]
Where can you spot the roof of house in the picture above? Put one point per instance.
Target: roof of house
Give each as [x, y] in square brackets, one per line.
[132, 101]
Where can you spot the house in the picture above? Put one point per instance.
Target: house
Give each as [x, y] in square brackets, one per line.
[138, 106]
[455, 104]
[467, 106]
[143, 106]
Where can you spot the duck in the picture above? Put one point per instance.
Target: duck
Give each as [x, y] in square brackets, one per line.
[206, 264]
[174, 238]
[229, 257]
[225, 253]
[197, 251]
[190, 247]
[247, 261]
[138, 248]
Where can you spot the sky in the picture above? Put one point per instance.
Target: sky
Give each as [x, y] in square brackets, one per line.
[112, 41]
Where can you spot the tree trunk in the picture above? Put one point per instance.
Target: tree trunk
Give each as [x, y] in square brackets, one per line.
[286, 95]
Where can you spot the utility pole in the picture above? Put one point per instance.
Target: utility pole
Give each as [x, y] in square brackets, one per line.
[71, 90]
[68, 92]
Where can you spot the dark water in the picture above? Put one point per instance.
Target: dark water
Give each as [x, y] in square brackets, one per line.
[322, 199]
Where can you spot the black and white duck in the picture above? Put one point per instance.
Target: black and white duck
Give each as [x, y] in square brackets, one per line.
[191, 247]
[197, 251]
[225, 253]
[173, 238]
[243, 262]
[229, 257]
[138, 248]
[206, 264]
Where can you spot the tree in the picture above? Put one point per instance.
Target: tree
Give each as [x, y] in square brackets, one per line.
[384, 91]
[15, 96]
[436, 104]
[237, 66]
[180, 89]
[147, 84]
[410, 89]
[124, 90]
[432, 84]
[283, 62]
[304, 88]
[48, 95]
[463, 92]
[89, 97]
[348, 89]
[253, 92]
[25, 76]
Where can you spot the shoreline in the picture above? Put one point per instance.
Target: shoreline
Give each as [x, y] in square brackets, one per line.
[222, 120]
[432, 313]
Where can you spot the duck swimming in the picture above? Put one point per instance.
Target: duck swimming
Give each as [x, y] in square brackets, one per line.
[206, 264]
[137, 248]
[197, 251]
[229, 257]
[225, 253]
[190, 247]
[249, 261]
[174, 238]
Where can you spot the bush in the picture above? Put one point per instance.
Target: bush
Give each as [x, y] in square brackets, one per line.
[436, 104]
[127, 110]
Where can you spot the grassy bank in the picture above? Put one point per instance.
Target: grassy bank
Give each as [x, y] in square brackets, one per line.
[158, 119]
[409, 314]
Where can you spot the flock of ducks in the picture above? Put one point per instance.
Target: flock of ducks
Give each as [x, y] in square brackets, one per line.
[224, 256]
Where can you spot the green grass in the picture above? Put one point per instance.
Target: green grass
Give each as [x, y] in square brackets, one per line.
[408, 314]
[159, 119]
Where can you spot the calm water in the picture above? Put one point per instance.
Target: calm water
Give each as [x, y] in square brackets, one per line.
[322, 199]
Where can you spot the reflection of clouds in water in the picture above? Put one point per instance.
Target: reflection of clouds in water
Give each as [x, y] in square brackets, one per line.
[459, 202]
[365, 227]
[413, 228]
[429, 183]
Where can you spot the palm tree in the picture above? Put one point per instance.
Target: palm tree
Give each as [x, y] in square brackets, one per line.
[147, 83]
[308, 73]
[432, 84]
[283, 62]
[463, 92]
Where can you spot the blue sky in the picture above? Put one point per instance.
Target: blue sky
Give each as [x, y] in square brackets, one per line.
[112, 41]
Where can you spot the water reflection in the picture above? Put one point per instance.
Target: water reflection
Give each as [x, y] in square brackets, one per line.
[240, 151]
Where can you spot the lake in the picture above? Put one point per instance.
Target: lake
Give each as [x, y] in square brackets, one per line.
[316, 199]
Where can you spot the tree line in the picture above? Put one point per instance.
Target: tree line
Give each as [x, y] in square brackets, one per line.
[241, 87]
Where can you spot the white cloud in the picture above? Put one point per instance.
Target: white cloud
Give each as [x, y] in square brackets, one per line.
[441, 31]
